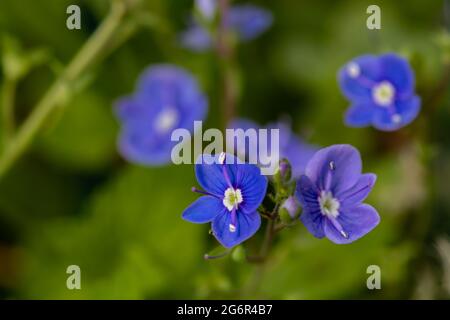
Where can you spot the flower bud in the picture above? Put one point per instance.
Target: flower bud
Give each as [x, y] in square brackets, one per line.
[289, 210]
[285, 170]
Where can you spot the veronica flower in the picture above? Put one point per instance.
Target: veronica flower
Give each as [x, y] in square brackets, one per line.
[331, 193]
[381, 92]
[166, 98]
[207, 8]
[245, 21]
[232, 194]
[291, 146]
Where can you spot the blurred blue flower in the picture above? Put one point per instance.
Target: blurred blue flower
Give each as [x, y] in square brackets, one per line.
[381, 92]
[207, 8]
[245, 21]
[331, 194]
[167, 97]
[249, 21]
[232, 194]
[292, 147]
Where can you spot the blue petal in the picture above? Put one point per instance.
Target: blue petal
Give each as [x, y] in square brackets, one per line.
[360, 115]
[407, 110]
[253, 186]
[358, 192]
[335, 168]
[210, 173]
[360, 88]
[249, 21]
[307, 194]
[247, 225]
[196, 39]
[139, 144]
[356, 222]
[203, 210]
[397, 70]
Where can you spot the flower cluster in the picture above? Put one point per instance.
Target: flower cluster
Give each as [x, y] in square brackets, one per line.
[324, 189]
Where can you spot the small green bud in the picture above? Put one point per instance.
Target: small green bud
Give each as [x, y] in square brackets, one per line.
[238, 254]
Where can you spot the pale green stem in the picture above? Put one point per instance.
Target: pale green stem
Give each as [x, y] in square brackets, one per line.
[91, 51]
[7, 116]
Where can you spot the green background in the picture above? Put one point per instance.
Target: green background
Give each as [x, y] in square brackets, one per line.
[72, 199]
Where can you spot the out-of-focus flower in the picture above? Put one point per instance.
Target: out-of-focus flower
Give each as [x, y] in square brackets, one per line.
[166, 98]
[249, 21]
[291, 147]
[381, 92]
[207, 8]
[331, 193]
[245, 21]
[232, 192]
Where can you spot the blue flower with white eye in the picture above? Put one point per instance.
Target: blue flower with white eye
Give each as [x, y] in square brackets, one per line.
[245, 21]
[291, 146]
[167, 97]
[232, 193]
[381, 92]
[331, 193]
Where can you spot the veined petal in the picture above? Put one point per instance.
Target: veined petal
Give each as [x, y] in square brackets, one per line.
[358, 192]
[335, 168]
[246, 226]
[210, 172]
[307, 194]
[203, 210]
[253, 186]
[355, 222]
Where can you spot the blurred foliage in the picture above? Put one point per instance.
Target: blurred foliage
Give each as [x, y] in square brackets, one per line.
[71, 200]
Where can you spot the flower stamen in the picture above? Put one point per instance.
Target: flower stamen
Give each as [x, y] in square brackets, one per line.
[232, 198]
[383, 93]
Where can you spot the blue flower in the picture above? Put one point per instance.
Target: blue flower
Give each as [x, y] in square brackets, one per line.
[249, 21]
[207, 8]
[232, 192]
[292, 147]
[167, 98]
[381, 92]
[245, 21]
[331, 193]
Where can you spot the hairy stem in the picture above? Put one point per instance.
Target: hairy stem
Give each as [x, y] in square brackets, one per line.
[91, 51]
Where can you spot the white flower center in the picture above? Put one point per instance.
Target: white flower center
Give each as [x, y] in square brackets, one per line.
[383, 93]
[329, 206]
[232, 198]
[353, 70]
[166, 119]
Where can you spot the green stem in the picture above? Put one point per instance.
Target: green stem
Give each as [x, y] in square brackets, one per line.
[8, 97]
[89, 53]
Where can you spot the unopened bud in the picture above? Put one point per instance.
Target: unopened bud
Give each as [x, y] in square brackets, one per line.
[289, 210]
[285, 170]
